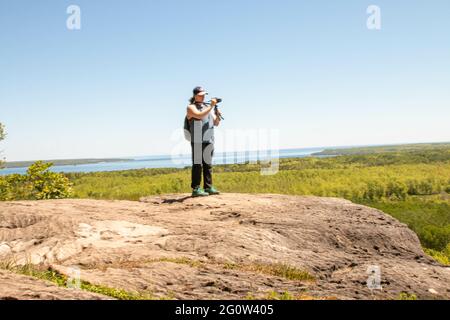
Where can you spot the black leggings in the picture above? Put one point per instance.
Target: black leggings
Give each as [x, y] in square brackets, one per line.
[203, 162]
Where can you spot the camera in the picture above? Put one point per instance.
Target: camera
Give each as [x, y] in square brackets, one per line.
[219, 100]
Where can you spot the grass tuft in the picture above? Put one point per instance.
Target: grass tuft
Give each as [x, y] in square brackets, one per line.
[279, 269]
[407, 296]
[48, 274]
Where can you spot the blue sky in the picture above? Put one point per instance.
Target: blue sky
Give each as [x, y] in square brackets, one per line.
[310, 69]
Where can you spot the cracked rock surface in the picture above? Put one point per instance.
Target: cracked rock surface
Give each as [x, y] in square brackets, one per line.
[207, 248]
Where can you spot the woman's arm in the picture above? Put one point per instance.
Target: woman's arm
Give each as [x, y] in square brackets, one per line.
[193, 112]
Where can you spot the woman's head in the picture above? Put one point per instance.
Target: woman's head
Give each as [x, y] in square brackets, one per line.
[198, 95]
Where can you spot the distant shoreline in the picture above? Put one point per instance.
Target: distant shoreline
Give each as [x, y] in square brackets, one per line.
[167, 161]
[65, 162]
[155, 161]
[378, 149]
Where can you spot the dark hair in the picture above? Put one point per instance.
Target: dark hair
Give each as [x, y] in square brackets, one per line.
[192, 100]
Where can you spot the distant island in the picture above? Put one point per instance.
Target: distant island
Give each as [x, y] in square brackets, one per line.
[381, 148]
[63, 162]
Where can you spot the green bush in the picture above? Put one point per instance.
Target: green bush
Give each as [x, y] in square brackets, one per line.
[441, 256]
[435, 237]
[15, 187]
[47, 184]
[396, 190]
[375, 190]
[4, 188]
[37, 184]
[2, 136]
[407, 296]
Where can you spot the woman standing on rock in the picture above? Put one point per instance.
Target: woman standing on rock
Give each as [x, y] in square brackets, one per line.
[201, 123]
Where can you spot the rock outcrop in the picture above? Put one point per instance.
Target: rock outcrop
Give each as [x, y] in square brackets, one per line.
[229, 246]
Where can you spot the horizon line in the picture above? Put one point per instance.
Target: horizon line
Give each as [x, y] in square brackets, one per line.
[235, 151]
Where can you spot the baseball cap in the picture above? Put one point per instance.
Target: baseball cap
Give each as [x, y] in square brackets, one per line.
[199, 91]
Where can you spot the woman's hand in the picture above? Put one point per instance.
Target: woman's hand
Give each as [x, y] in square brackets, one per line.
[217, 117]
[213, 102]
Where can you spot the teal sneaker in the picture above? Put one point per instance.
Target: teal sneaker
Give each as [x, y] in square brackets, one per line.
[212, 191]
[198, 192]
